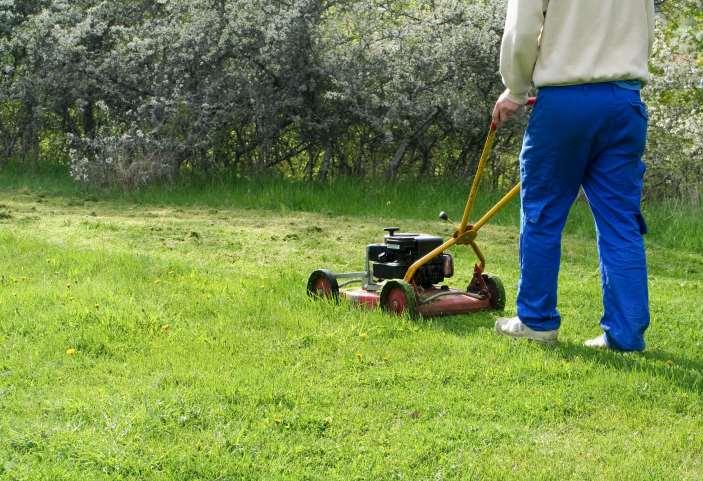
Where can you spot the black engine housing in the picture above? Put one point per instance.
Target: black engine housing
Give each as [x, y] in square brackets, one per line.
[393, 259]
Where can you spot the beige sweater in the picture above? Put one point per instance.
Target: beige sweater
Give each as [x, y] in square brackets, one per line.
[566, 42]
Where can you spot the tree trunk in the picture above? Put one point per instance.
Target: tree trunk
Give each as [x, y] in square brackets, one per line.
[403, 147]
[67, 122]
[30, 134]
[326, 164]
[9, 136]
[425, 165]
[398, 158]
[310, 166]
[358, 168]
[89, 119]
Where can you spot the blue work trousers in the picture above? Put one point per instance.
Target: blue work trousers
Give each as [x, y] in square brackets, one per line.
[591, 136]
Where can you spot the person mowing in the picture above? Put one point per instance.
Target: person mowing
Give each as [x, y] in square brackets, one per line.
[588, 129]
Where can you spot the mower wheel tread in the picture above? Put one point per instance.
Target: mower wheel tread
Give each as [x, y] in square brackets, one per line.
[496, 290]
[398, 297]
[323, 284]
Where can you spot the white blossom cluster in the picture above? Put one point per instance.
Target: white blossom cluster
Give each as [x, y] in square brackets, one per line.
[675, 100]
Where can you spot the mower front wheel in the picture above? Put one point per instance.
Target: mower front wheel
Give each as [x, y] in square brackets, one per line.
[323, 284]
[398, 297]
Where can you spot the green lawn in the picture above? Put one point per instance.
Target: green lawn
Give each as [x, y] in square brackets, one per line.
[167, 336]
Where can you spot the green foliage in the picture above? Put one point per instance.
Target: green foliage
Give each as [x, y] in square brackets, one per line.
[144, 91]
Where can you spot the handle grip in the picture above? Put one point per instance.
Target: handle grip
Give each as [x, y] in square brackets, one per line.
[530, 103]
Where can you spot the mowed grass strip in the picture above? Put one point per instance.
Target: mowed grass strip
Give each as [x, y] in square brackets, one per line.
[174, 340]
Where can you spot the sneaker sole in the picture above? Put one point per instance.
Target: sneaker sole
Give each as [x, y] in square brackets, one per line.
[534, 339]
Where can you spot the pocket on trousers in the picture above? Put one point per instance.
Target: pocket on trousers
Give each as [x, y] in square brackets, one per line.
[533, 203]
[635, 128]
[641, 222]
[533, 213]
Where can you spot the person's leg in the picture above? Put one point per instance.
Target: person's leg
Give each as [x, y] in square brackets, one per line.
[555, 153]
[613, 184]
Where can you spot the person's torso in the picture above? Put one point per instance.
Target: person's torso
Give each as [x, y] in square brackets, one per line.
[586, 41]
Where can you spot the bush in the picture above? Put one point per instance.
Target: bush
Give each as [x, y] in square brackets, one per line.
[306, 88]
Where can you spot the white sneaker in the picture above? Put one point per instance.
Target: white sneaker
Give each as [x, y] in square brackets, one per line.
[513, 327]
[600, 342]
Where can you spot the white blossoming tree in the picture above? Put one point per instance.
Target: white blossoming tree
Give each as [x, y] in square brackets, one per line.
[144, 90]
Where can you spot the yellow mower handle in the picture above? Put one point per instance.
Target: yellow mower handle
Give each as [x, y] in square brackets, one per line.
[466, 233]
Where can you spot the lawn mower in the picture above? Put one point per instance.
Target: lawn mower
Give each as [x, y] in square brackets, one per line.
[404, 275]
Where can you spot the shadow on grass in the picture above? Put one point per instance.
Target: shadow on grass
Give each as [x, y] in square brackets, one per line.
[460, 325]
[687, 373]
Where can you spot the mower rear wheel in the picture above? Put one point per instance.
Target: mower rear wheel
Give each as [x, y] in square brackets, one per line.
[398, 297]
[496, 291]
[323, 284]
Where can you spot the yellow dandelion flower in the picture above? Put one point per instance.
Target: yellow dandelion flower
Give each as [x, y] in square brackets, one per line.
[71, 351]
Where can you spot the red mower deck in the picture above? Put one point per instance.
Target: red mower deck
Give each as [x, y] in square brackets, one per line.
[451, 301]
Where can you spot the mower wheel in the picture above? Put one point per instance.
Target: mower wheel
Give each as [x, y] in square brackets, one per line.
[323, 284]
[496, 290]
[398, 297]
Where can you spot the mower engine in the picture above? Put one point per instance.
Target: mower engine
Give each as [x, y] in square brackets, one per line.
[392, 259]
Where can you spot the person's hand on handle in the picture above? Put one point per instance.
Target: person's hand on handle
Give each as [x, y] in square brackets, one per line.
[504, 110]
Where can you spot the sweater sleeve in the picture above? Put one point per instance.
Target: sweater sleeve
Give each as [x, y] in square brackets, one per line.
[651, 23]
[520, 47]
